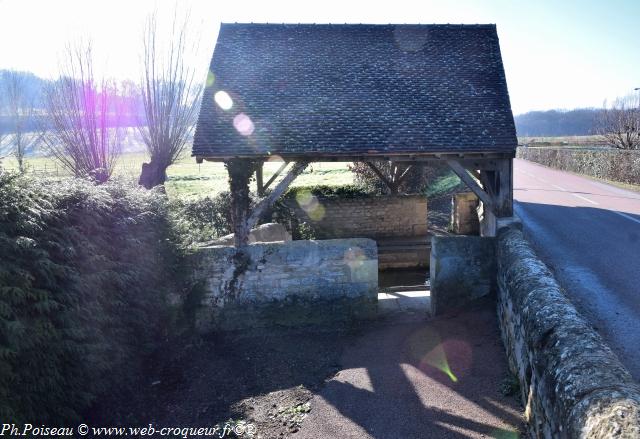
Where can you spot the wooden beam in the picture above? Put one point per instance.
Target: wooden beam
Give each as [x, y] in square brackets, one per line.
[413, 157]
[487, 178]
[259, 180]
[274, 176]
[276, 193]
[471, 184]
[380, 174]
[505, 189]
[404, 174]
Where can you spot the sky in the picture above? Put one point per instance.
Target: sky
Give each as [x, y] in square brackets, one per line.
[559, 54]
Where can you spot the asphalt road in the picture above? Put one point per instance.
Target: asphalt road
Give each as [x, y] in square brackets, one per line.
[588, 233]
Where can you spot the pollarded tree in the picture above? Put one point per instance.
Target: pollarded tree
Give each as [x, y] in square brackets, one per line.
[84, 133]
[619, 124]
[24, 135]
[170, 96]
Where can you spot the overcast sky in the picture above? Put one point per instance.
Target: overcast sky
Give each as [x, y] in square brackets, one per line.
[557, 54]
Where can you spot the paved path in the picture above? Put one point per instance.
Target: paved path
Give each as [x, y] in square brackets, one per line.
[589, 234]
[421, 379]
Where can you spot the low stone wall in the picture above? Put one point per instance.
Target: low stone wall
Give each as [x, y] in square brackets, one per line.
[462, 269]
[253, 288]
[573, 386]
[365, 217]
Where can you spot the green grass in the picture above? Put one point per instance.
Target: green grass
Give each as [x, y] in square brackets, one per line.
[443, 185]
[186, 178]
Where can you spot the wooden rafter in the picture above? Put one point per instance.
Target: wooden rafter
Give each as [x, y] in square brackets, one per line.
[472, 184]
[276, 174]
[262, 187]
[379, 173]
[398, 173]
[276, 193]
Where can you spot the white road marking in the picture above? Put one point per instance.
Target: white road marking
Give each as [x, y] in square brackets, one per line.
[575, 195]
[624, 215]
[584, 198]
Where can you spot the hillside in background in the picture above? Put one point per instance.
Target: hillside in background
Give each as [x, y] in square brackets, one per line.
[579, 122]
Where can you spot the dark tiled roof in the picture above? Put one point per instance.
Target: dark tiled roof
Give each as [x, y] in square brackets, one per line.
[355, 89]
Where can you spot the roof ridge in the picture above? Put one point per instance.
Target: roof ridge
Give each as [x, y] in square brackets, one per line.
[360, 24]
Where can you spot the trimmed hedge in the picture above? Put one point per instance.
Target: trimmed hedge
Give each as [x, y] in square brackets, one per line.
[324, 191]
[608, 164]
[86, 275]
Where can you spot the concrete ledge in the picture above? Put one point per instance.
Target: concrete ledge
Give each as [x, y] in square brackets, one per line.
[572, 383]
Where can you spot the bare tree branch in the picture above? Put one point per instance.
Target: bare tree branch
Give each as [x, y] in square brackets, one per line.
[85, 135]
[170, 95]
[619, 124]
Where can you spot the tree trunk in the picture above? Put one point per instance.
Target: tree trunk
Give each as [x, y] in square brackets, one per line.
[153, 174]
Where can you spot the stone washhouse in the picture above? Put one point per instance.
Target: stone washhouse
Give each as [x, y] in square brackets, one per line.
[408, 94]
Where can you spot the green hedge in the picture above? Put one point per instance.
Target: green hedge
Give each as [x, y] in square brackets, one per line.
[85, 276]
[608, 164]
[208, 218]
[324, 191]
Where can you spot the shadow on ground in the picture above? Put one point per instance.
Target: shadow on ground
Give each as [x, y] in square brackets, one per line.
[385, 379]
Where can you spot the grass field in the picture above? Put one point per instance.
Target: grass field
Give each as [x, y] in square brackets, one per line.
[186, 178]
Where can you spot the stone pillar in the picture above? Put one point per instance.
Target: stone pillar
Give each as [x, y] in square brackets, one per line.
[464, 214]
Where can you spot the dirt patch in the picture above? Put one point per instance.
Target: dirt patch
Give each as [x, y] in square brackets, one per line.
[263, 378]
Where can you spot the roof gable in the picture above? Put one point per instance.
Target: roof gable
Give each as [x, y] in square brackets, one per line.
[332, 90]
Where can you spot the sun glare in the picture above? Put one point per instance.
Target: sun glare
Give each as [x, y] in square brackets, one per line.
[223, 100]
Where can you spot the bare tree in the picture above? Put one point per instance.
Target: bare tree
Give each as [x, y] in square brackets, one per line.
[85, 133]
[170, 96]
[24, 135]
[3, 135]
[619, 124]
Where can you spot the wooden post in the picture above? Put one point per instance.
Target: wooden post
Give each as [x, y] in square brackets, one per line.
[498, 184]
[504, 200]
[259, 179]
[240, 172]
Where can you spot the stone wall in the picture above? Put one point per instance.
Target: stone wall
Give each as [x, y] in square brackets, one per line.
[365, 217]
[462, 269]
[464, 214]
[252, 288]
[573, 386]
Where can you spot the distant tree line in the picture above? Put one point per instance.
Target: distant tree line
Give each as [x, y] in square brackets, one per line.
[553, 123]
[616, 123]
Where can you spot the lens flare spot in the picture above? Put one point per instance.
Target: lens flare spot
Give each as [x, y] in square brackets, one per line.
[223, 100]
[311, 205]
[429, 350]
[243, 124]
[354, 257]
[211, 78]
